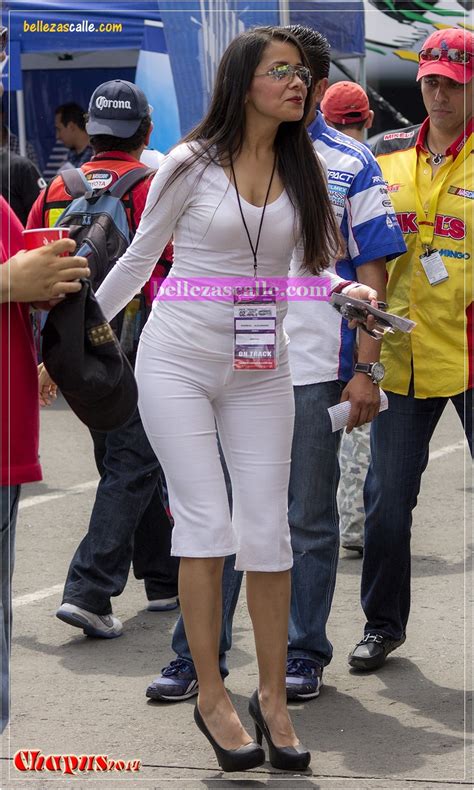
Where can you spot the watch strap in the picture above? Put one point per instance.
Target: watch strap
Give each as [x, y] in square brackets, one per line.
[363, 367]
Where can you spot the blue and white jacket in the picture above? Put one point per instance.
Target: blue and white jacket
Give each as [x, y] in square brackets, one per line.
[322, 346]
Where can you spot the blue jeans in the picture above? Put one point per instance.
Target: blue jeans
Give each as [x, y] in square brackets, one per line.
[400, 450]
[314, 521]
[128, 521]
[314, 529]
[10, 498]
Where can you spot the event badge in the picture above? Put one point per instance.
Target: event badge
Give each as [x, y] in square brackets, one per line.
[254, 329]
[434, 267]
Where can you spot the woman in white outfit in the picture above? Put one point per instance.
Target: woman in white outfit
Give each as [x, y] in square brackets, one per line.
[241, 191]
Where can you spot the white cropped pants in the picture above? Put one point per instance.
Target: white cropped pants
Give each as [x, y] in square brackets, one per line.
[180, 401]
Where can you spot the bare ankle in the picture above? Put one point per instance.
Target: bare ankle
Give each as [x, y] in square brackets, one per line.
[210, 699]
[273, 698]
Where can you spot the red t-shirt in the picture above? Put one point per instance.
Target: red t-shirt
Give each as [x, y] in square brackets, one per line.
[18, 375]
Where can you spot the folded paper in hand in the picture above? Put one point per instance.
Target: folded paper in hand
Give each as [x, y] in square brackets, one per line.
[339, 413]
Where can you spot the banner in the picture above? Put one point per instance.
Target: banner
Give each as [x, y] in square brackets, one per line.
[341, 21]
[197, 32]
[395, 31]
[155, 78]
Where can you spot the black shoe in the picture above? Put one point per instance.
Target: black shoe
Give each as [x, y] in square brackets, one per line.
[287, 758]
[249, 756]
[372, 650]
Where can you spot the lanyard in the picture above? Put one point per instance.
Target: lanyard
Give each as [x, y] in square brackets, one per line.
[426, 221]
[254, 249]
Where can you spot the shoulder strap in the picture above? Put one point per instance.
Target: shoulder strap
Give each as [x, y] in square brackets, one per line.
[75, 181]
[45, 207]
[126, 182]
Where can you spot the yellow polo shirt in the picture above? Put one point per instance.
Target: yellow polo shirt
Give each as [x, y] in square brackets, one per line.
[440, 346]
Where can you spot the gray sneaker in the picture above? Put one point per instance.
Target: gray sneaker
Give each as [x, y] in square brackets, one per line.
[163, 604]
[104, 626]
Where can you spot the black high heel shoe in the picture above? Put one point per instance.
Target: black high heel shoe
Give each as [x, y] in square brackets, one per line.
[249, 756]
[287, 758]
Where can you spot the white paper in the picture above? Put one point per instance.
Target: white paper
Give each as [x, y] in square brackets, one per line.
[339, 414]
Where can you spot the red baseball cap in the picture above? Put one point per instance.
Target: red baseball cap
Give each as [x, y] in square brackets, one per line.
[345, 103]
[448, 53]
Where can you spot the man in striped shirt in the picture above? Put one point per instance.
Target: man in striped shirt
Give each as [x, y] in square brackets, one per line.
[323, 372]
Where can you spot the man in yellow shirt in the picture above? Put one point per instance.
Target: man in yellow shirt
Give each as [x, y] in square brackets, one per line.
[429, 175]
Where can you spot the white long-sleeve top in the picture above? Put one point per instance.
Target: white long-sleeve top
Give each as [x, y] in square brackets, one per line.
[200, 210]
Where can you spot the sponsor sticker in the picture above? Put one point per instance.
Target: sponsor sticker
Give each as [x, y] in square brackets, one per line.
[398, 135]
[99, 179]
[340, 176]
[465, 193]
[336, 198]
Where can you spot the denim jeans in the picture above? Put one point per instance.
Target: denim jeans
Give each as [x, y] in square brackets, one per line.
[314, 522]
[128, 521]
[400, 450]
[10, 498]
[314, 529]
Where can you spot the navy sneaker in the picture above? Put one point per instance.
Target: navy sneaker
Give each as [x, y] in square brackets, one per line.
[177, 681]
[304, 678]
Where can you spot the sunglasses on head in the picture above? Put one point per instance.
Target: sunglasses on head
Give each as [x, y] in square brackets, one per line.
[437, 53]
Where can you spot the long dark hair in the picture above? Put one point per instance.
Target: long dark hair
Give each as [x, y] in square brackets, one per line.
[221, 135]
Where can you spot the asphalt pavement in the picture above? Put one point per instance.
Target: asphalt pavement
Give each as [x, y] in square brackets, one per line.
[407, 726]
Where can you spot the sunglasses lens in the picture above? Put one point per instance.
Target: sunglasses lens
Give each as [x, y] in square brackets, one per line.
[281, 72]
[286, 72]
[304, 76]
[453, 55]
[458, 56]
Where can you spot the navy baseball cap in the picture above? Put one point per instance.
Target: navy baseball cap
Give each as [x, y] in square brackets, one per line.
[117, 108]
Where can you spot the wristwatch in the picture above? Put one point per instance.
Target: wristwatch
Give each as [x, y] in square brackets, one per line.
[375, 370]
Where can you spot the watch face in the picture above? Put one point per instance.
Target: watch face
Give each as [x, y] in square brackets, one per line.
[378, 371]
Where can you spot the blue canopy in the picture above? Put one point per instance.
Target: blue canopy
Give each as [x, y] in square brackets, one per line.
[57, 26]
[342, 21]
[196, 33]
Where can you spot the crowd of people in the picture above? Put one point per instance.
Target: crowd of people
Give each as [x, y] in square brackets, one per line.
[229, 466]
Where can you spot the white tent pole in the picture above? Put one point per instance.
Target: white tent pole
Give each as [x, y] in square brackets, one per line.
[20, 107]
[284, 6]
[362, 72]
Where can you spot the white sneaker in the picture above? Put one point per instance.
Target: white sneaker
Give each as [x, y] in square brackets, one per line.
[105, 626]
[163, 604]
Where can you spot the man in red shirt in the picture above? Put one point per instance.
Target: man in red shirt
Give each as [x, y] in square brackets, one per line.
[128, 519]
[37, 275]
